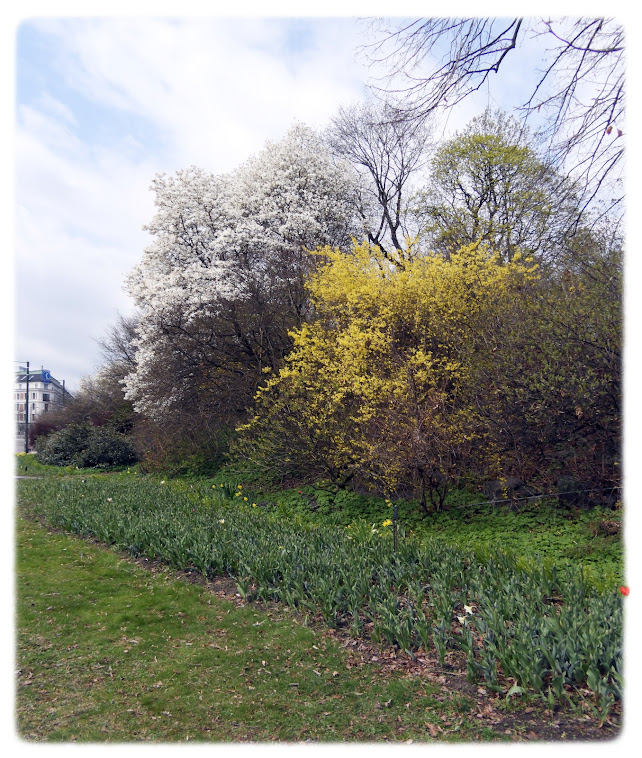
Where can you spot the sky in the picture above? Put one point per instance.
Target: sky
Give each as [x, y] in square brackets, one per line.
[104, 102]
[102, 106]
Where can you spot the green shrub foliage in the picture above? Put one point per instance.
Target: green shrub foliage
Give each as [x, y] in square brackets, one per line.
[85, 446]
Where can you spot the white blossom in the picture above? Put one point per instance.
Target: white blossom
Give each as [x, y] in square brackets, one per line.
[220, 241]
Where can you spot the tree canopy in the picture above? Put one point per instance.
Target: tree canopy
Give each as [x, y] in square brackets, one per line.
[386, 152]
[489, 184]
[222, 282]
[311, 316]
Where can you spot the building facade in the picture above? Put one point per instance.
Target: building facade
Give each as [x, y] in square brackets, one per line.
[41, 393]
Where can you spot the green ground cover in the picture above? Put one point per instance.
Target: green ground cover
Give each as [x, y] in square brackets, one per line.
[109, 651]
[555, 632]
[539, 530]
[27, 464]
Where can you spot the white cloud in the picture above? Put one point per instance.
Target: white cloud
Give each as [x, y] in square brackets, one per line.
[115, 100]
[215, 89]
[134, 97]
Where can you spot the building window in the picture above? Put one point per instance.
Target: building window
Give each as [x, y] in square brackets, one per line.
[46, 407]
[45, 397]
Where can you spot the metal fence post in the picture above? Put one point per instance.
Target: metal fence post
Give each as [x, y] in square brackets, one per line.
[394, 526]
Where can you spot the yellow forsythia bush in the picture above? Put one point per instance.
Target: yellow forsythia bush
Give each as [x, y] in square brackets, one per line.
[377, 386]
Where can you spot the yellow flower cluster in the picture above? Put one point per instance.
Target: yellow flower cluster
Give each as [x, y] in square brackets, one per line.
[376, 372]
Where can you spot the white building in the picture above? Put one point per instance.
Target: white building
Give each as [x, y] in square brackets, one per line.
[42, 393]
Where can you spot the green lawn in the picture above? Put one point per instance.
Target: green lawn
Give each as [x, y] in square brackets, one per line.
[110, 651]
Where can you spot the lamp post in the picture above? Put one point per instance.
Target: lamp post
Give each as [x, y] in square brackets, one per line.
[27, 412]
[26, 408]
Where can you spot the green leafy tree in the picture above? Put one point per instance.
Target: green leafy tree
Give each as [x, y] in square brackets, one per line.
[578, 94]
[549, 383]
[489, 185]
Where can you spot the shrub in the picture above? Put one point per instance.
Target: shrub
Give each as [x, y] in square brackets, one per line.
[85, 446]
[180, 448]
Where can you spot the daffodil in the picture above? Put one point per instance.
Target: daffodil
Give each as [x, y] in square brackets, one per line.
[387, 522]
[221, 521]
[468, 609]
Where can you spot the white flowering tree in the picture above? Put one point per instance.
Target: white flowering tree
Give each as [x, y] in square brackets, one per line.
[222, 282]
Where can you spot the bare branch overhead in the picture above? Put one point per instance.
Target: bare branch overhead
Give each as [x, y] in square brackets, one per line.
[433, 64]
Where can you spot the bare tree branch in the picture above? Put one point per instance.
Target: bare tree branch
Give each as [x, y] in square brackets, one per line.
[433, 64]
[386, 151]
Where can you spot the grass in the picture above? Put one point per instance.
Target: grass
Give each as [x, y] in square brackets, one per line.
[109, 651]
[27, 464]
[413, 598]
